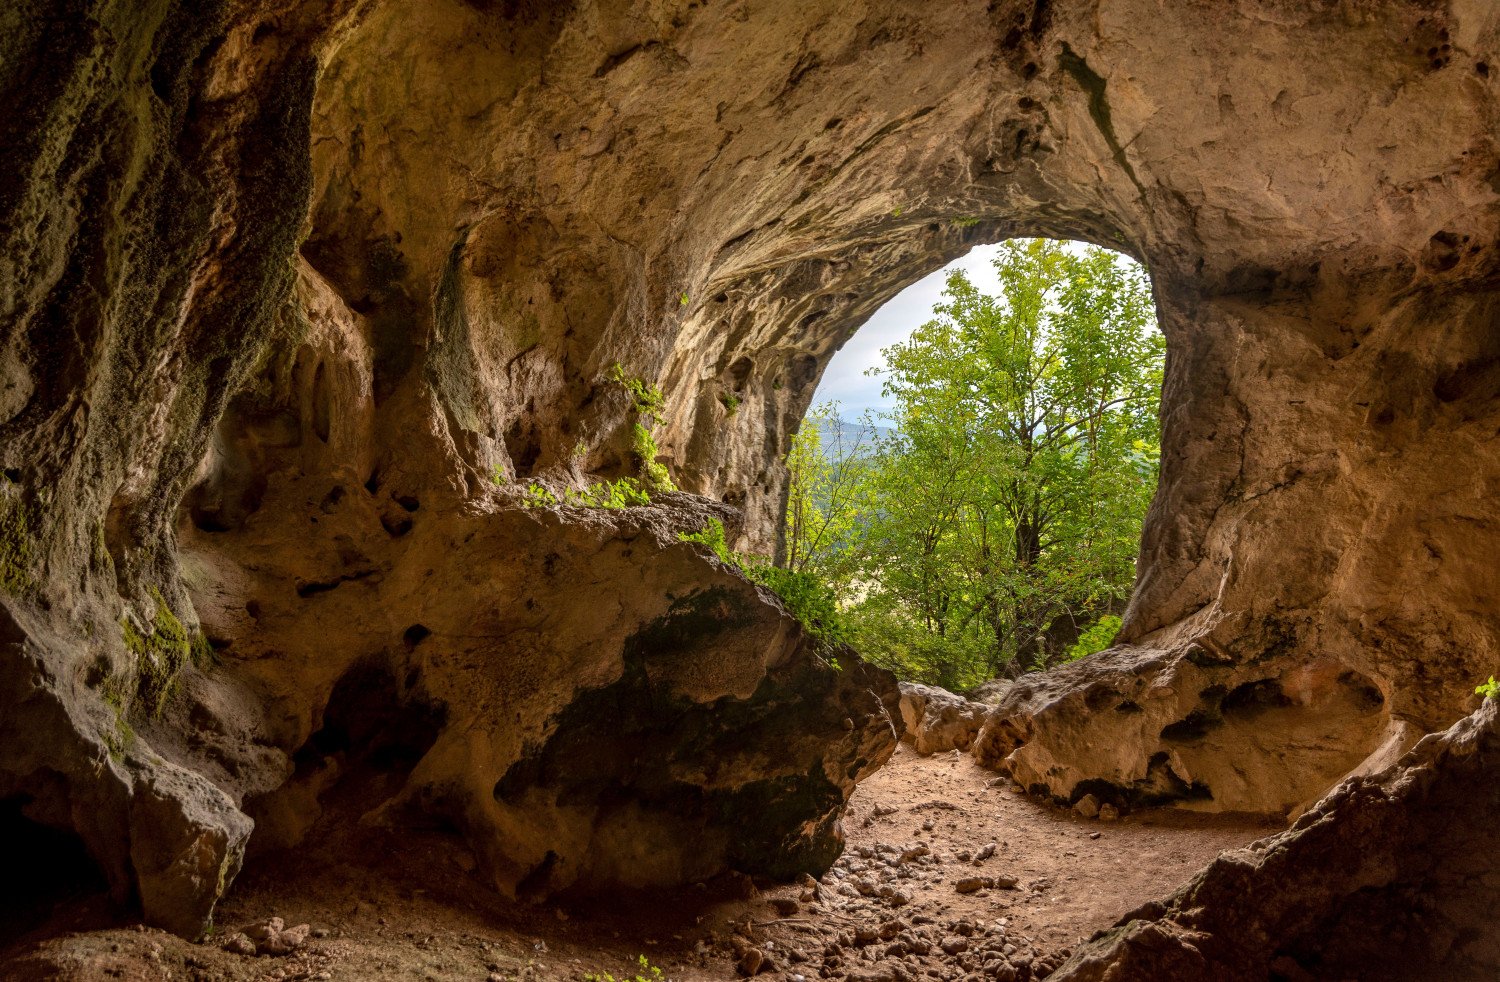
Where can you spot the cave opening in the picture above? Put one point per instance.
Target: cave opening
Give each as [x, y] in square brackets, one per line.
[971, 478]
[48, 871]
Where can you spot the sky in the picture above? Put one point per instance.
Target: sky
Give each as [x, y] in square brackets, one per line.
[845, 381]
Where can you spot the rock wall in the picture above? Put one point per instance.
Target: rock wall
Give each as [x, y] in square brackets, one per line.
[490, 204]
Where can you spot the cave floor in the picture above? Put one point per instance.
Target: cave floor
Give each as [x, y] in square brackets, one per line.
[411, 907]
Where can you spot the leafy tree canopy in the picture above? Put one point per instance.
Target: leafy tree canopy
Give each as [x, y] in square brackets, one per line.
[998, 518]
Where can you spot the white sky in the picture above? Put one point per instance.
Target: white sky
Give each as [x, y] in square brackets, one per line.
[845, 381]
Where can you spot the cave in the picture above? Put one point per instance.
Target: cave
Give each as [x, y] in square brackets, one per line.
[333, 326]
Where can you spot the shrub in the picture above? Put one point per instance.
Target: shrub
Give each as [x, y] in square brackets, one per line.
[805, 596]
[1489, 690]
[1096, 637]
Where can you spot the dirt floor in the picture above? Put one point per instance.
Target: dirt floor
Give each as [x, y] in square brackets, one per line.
[891, 909]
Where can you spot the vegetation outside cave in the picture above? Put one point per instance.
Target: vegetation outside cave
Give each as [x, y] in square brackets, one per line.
[984, 522]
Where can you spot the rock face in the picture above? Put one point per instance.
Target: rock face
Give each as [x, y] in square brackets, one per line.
[937, 720]
[1391, 876]
[289, 286]
[1193, 727]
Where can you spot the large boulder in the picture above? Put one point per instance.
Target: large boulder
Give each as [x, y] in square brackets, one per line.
[1391, 876]
[1194, 726]
[937, 720]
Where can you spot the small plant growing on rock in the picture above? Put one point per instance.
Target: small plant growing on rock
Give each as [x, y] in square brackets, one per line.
[648, 400]
[683, 300]
[966, 222]
[1488, 690]
[497, 474]
[580, 450]
[624, 493]
[654, 476]
[646, 395]
[537, 496]
[730, 401]
[805, 597]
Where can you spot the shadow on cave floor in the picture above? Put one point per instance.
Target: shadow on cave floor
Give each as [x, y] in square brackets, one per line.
[404, 904]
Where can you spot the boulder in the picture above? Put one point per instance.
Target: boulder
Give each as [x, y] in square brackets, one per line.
[937, 720]
[1197, 726]
[1403, 857]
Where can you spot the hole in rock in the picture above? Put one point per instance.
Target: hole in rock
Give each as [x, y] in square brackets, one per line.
[46, 868]
[371, 716]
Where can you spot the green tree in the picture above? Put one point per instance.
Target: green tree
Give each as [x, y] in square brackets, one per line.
[823, 506]
[1012, 489]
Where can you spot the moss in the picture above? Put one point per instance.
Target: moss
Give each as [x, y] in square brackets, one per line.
[17, 542]
[99, 556]
[121, 736]
[161, 654]
[730, 402]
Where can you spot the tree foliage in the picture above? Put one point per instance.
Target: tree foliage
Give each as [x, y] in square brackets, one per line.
[1006, 502]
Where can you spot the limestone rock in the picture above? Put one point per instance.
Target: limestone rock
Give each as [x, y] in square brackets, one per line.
[187, 841]
[937, 720]
[1374, 859]
[1194, 726]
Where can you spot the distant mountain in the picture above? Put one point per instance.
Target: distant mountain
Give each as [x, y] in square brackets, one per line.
[840, 437]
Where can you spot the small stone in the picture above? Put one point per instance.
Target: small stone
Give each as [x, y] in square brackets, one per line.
[262, 930]
[915, 852]
[785, 906]
[751, 961]
[1086, 807]
[1006, 883]
[1095, 835]
[954, 945]
[985, 852]
[973, 884]
[1108, 812]
[238, 944]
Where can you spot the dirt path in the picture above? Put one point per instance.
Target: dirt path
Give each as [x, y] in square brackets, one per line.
[418, 911]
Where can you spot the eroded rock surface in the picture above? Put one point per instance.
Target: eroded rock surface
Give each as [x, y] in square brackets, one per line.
[1391, 876]
[1196, 727]
[938, 720]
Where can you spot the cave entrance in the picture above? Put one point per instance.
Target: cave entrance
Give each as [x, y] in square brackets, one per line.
[971, 480]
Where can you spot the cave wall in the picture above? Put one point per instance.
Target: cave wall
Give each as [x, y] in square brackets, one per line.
[257, 253]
